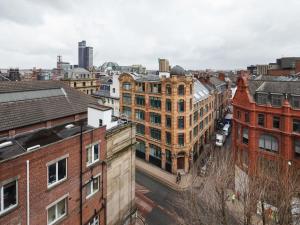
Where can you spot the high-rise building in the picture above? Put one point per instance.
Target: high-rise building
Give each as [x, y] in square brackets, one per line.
[88, 57]
[164, 65]
[85, 55]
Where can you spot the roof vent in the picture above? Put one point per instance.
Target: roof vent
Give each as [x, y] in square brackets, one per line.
[33, 147]
[69, 126]
[5, 144]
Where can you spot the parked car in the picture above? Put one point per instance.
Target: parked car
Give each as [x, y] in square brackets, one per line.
[226, 129]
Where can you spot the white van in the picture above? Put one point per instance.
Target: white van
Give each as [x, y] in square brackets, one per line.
[220, 139]
[226, 129]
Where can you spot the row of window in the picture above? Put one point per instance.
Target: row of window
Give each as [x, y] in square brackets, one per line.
[276, 100]
[156, 88]
[276, 123]
[268, 142]
[56, 173]
[155, 151]
[156, 134]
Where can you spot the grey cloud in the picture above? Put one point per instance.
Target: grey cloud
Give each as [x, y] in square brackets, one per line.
[197, 34]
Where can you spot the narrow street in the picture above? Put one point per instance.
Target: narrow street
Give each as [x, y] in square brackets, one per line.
[155, 201]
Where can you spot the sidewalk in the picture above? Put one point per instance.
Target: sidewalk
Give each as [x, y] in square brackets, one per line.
[162, 176]
[236, 208]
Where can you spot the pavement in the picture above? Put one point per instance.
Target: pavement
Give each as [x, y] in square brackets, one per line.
[163, 176]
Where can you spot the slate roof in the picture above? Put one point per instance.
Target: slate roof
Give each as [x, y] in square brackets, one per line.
[200, 91]
[281, 87]
[216, 81]
[43, 137]
[277, 78]
[26, 112]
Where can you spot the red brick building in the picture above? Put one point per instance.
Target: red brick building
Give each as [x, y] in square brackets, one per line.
[52, 166]
[266, 121]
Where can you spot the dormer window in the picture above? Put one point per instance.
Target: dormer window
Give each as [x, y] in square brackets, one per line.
[276, 100]
[262, 99]
[296, 102]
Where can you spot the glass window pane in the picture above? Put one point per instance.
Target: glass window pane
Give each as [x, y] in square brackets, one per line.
[267, 142]
[61, 208]
[96, 152]
[88, 189]
[96, 184]
[261, 142]
[62, 169]
[10, 194]
[52, 173]
[89, 155]
[51, 214]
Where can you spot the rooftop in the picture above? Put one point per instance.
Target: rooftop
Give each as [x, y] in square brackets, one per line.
[200, 91]
[281, 87]
[22, 143]
[26, 103]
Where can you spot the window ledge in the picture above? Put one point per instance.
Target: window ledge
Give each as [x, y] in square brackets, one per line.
[7, 211]
[91, 195]
[93, 164]
[59, 220]
[51, 186]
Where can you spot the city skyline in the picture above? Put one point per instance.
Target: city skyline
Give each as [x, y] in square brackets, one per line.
[193, 34]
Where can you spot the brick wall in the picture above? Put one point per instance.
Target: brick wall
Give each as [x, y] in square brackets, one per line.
[41, 196]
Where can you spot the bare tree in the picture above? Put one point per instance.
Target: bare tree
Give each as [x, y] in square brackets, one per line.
[205, 202]
[271, 190]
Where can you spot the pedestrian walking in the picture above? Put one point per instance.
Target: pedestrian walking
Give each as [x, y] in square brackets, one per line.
[233, 198]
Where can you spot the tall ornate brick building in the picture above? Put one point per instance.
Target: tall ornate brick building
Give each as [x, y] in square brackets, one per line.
[173, 114]
[266, 121]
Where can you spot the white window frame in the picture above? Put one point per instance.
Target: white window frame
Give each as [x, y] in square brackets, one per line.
[90, 185]
[2, 210]
[65, 197]
[91, 147]
[56, 162]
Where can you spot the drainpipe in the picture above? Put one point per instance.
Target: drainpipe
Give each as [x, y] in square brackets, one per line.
[81, 174]
[28, 199]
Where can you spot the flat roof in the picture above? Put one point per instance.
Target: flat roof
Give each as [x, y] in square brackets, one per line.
[19, 144]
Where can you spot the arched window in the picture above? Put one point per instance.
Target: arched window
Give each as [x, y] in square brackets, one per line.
[268, 142]
[181, 89]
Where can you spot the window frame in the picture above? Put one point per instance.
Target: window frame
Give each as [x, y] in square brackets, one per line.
[2, 184]
[98, 177]
[65, 197]
[140, 126]
[179, 137]
[91, 146]
[271, 139]
[244, 134]
[279, 122]
[261, 118]
[56, 167]
[298, 122]
[181, 91]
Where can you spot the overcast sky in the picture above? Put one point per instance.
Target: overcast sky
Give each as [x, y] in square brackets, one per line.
[196, 34]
